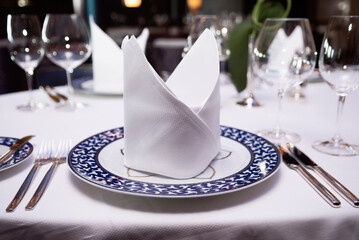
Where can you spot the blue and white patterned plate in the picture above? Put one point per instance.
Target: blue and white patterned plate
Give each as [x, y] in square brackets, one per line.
[245, 160]
[20, 155]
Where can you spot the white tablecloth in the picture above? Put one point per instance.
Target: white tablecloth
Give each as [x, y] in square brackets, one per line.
[282, 207]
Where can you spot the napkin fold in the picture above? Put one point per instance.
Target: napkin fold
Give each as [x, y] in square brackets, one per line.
[107, 60]
[172, 128]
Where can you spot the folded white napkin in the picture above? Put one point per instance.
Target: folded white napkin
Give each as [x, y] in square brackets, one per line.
[172, 128]
[280, 60]
[107, 60]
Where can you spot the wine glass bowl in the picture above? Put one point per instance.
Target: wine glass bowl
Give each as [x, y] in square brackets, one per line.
[284, 56]
[67, 44]
[26, 50]
[211, 22]
[339, 67]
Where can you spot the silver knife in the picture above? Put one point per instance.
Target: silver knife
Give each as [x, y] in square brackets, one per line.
[17, 145]
[310, 164]
[320, 188]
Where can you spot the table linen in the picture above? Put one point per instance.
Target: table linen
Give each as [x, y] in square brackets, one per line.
[282, 207]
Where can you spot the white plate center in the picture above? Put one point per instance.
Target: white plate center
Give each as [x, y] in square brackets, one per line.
[233, 158]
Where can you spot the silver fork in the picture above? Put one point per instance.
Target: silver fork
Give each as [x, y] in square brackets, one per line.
[60, 157]
[43, 156]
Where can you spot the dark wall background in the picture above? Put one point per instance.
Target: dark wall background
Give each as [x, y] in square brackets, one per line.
[167, 18]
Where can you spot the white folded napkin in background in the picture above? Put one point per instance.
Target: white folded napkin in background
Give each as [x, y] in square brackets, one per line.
[107, 60]
[280, 61]
[172, 128]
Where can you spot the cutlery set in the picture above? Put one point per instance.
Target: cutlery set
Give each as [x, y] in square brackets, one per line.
[294, 158]
[299, 161]
[43, 157]
[53, 94]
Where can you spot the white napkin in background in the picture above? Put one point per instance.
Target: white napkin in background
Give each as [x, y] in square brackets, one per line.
[280, 60]
[107, 60]
[172, 128]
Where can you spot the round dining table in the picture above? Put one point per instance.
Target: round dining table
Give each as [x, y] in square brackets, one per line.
[281, 206]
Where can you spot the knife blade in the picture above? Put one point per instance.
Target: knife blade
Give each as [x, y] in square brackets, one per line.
[311, 180]
[17, 145]
[310, 164]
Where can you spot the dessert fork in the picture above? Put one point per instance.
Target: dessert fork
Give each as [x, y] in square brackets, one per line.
[43, 157]
[60, 157]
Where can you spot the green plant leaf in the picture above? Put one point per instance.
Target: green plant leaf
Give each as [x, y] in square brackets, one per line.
[238, 39]
[238, 45]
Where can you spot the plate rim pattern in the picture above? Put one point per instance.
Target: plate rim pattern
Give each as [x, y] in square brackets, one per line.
[85, 156]
[20, 155]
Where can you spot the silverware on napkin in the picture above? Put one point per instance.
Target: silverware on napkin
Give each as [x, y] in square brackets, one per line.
[320, 188]
[17, 145]
[310, 164]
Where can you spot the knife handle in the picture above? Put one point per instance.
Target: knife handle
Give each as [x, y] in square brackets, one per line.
[341, 189]
[5, 157]
[42, 187]
[320, 188]
[23, 189]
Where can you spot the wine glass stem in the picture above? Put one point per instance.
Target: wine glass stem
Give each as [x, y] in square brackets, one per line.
[29, 78]
[279, 114]
[250, 74]
[69, 86]
[337, 136]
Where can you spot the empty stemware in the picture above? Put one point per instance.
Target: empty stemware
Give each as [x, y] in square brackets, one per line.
[339, 66]
[67, 44]
[284, 56]
[26, 50]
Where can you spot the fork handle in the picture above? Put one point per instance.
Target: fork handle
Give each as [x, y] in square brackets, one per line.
[23, 189]
[42, 187]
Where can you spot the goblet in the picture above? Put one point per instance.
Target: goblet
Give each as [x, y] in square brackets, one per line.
[201, 22]
[67, 44]
[211, 22]
[284, 56]
[339, 66]
[26, 50]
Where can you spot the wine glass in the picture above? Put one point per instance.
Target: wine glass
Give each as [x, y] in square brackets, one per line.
[211, 22]
[26, 50]
[67, 44]
[284, 56]
[339, 66]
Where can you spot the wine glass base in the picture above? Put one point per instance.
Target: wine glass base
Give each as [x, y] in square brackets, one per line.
[249, 102]
[70, 107]
[281, 137]
[32, 107]
[340, 148]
